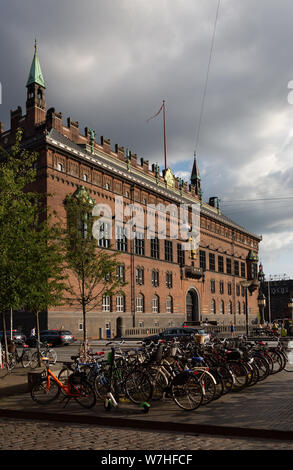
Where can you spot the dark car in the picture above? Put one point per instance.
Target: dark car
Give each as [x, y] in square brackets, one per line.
[17, 336]
[174, 332]
[54, 337]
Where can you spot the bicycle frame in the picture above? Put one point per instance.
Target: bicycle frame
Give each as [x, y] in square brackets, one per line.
[67, 388]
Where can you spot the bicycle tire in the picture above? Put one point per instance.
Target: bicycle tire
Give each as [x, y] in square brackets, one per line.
[186, 391]
[5, 370]
[263, 367]
[208, 387]
[101, 385]
[159, 382]
[43, 393]
[220, 386]
[278, 361]
[227, 377]
[35, 360]
[240, 376]
[26, 359]
[87, 399]
[51, 355]
[138, 387]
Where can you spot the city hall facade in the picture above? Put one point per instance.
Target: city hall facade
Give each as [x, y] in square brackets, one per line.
[166, 284]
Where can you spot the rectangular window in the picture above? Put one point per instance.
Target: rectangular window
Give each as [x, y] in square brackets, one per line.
[221, 287]
[229, 266]
[202, 260]
[213, 286]
[180, 255]
[120, 302]
[155, 278]
[168, 250]
[139, 304]
[106, 306]
[139, 244]
[242, 269]
[120, 272]
[104, 236]
[220, 264]
[212, 262]
[140, 276]
[155, 304]
[169, 280]
[155, 248]
[121, 239]
[229, 288]
[236, 268]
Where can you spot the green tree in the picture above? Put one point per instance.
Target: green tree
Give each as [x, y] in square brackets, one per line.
[93, 269]
[31, 260]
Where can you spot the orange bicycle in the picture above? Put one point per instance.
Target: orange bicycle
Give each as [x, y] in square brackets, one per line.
[46, 388]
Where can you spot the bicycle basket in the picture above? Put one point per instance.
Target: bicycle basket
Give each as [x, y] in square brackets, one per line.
[234, 355]
[77, 378]
[35, 378]
[181, 378]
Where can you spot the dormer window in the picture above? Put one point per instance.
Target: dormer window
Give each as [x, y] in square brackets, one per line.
[85, 177]
[59, 167]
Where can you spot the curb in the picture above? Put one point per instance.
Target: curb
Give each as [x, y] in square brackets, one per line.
[155, 426]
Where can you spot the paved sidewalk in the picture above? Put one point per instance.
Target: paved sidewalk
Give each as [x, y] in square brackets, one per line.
[262, 411]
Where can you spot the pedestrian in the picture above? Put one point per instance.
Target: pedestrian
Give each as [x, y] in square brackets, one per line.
[33, 332]
[232, 329]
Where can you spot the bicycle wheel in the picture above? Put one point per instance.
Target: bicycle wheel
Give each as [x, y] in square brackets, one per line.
[101, 385]
[277, 361]
[208, 387]
[138, 387]
[186, 391]
[227, 378]
[159, 382]
[63, 375]
[220, 385]
[5, 370]
[263, 367]
[51, 355]
[240, 376]
[35, 360]
[26, 358]
[45, 391]
[87, 397]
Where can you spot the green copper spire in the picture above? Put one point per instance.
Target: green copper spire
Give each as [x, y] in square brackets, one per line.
[35, 75]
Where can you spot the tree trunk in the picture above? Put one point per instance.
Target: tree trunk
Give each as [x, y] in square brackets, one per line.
[38, 336]
[5, 336]
[84, 327]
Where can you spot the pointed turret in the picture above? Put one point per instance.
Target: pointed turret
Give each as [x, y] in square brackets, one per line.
[195, 176]
[36, 102]
[35, 75]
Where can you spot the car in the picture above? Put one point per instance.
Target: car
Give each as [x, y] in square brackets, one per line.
[17, 336]
[54, 337]
[175, 332]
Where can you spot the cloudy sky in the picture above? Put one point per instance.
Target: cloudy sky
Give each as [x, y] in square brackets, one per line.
[110, 63]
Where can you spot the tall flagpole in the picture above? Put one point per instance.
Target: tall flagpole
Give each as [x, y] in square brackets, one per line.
[164, 128]
[165, 138]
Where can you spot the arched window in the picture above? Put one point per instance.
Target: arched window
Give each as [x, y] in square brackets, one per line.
[120, 303]
[169, 304]
[140, 303]
[222, 307]
[155, 304]
[230, 307]
[213, 306]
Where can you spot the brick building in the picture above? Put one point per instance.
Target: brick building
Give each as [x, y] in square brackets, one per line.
[166, 284]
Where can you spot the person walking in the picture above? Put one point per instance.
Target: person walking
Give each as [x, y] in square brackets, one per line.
[232, 329]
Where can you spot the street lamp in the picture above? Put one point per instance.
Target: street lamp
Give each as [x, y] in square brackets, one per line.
[290, 306]
[261, 300]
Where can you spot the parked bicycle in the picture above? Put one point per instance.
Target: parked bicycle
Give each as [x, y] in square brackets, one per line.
[43, 350]
[47, 388]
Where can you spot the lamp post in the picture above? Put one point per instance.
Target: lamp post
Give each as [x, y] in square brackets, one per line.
[261, 300]
[246, 284]
[290, 306]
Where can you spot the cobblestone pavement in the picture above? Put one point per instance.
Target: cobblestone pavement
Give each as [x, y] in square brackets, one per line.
[34, 435]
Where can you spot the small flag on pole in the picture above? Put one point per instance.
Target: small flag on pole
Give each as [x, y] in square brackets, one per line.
[157, 114]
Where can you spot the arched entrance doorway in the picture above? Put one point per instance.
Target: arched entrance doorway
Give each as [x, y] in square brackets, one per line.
[192, 306]
[119, 327]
